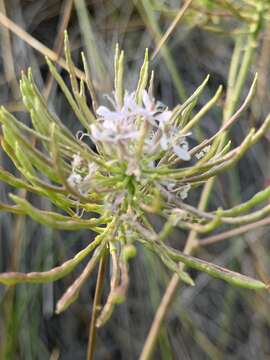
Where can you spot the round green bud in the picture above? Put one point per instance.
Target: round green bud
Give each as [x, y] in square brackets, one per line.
[129, 251]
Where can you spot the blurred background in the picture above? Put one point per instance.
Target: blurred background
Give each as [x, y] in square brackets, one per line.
[209, 321]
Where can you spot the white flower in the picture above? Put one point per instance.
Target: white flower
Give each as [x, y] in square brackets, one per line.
[77, 161]
[116, 125]
[153, 111]
[115, 132]
[181, 150]
[170, 185]
[121, 125]
[178, 146]
[204, 151]
[163, 118]
[74, 180]
[92, 169]
[183, 191]
[150, 110]
[129, 108]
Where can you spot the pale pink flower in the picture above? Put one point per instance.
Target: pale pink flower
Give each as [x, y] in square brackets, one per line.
[120, 124]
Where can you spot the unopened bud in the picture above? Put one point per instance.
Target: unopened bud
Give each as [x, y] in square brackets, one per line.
[129, 251]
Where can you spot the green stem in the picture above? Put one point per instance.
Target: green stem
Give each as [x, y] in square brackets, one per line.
[95, 307]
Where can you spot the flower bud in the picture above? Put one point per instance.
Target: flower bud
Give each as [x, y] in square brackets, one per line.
[129, 251]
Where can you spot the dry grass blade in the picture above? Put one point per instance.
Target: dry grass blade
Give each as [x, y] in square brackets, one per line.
[235, 232]
[59, 41]
[171, 27]
[37, 45]
[8, 61]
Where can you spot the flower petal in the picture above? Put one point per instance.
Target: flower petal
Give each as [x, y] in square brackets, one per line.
[181, 152]
[164, 142]
[147, 101]
[164, 117]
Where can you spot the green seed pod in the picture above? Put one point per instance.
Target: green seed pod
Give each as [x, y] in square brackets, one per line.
[129, 251]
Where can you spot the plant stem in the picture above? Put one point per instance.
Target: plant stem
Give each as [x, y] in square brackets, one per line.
[235, 232]
[147, 12]
[171, 288]
[159, 317]
[95, 308]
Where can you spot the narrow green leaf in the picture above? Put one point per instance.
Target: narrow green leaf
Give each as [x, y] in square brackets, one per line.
[55, 220]
[12, 278]
[118, 76]
[195, 94]
[71, 67]
[73, 291]
[217, 271]
[196, 118]
[142, 82]
[67, 94]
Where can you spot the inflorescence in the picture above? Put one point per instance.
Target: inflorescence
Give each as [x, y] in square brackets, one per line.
[138, 162]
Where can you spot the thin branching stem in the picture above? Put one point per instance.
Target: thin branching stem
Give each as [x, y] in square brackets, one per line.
[95, 306]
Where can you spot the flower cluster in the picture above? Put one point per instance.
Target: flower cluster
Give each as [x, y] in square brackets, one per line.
[118, 132]
[121, 126]
[138, 162]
